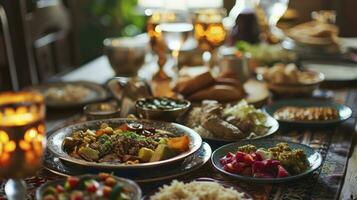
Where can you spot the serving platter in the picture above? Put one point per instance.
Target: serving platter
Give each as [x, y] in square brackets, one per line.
[271, 122]
[321, 49]
[216, 142]
[314, 158]
[189, 164]
[334, 71]
[55, 141]
[245, 194]
[344, 111]
[95, 93]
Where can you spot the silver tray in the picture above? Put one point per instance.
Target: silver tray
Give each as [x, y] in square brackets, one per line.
[55, 140]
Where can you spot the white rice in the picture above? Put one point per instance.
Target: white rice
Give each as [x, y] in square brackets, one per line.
[196, 191]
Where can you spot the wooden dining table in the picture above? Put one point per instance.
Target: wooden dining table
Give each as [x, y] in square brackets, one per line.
[335, 179]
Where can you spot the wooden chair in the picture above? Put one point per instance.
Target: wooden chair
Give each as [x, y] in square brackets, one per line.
[8, 74]
[42, 39]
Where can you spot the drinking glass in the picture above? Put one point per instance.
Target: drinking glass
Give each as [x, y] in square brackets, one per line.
[175, 32]
[209, 31]
[274, 10]
[22, 139]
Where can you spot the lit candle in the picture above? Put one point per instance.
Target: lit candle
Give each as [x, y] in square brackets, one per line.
[21, 133]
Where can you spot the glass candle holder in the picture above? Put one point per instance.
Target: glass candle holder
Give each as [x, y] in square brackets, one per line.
[22, 138]
[210, 32]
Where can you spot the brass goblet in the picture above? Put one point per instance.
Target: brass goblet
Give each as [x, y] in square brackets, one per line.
[157, 42]
[210, 32]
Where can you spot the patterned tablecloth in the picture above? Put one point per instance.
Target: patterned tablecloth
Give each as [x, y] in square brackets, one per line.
[325, 183]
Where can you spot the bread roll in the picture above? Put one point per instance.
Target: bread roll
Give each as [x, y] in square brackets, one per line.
[217, 92]
[189, 85]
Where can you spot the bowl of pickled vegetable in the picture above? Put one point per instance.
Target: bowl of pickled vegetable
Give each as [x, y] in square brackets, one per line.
[101, 187]
[161, 108]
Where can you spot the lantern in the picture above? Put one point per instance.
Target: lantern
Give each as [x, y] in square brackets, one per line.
[22, 138]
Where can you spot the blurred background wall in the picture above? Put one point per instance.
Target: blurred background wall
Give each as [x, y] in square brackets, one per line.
[90, 21]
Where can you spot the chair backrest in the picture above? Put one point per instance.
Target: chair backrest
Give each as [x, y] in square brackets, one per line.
[8, 74]
[49, 31]
[42, 37]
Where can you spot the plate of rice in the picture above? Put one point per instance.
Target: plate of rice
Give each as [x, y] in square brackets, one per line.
[199, 189]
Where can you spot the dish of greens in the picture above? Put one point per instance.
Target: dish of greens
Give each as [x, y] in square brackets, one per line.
[266, 54]
[161, 103]
[102, 187]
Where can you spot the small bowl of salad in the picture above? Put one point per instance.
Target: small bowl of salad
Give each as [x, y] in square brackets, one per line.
[266, 161]
[161, 108]
[103, 186]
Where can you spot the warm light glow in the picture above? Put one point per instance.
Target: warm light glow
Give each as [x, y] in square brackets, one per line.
[33, 109]
[5, 157]
[4, 138]
[155, 17]
[37, 146]
[209, 29]
[30, 134]
[10, 146]
[21, 110]
[9, 112]
[157, 29]
[7, 146]
[24, 145]
[32, 142]
[39, 138]
[216, 33]
[41, 128]
[20, 97]
[21, 133]
[30, 157]
[20, 115]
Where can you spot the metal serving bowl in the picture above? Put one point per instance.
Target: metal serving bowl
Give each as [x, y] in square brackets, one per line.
[131, 185]
[296, 90]
[126, 55]
[170, 115]
[102, 110]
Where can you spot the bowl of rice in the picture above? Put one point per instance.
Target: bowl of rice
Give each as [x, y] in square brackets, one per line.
[199, 189]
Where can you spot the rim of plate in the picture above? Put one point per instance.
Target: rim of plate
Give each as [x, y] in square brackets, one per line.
[205, 146]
